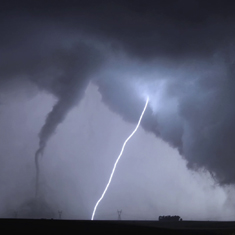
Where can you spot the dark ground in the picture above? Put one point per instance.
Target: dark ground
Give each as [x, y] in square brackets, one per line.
[117, 227]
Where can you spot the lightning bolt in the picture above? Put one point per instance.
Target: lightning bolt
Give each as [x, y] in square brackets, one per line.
[114, 167]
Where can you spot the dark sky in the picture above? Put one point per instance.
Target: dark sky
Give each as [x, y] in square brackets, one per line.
[179, 53]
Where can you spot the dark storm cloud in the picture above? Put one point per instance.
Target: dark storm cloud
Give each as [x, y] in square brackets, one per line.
[196, 44]
[191, 40]
[145, 28]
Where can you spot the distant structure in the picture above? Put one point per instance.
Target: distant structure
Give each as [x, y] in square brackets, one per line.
[170, 218]
[119, 214]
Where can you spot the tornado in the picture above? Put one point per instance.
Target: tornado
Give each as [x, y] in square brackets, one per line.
[69, 88]
[37, 155]
[72, 95]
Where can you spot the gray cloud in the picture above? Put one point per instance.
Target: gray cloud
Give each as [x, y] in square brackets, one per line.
[180, 54]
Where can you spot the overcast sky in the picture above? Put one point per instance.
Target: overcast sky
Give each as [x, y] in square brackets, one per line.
[74, 78]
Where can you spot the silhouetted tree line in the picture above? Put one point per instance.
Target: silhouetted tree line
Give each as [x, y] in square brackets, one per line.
[170, 218]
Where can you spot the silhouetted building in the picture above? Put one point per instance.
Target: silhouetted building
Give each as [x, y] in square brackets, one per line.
[170, 218]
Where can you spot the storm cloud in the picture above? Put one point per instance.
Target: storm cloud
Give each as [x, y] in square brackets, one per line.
[179, 53]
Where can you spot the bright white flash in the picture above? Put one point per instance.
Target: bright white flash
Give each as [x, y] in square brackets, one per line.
[111, 176]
